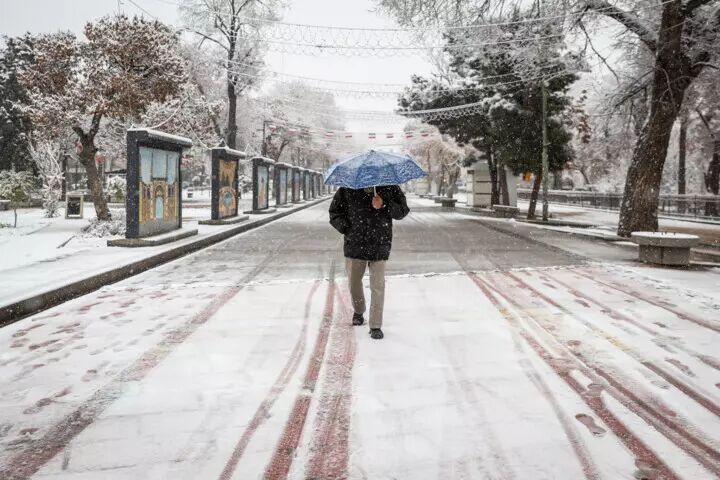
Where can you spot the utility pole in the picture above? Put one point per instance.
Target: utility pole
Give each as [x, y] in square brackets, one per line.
[545, 162]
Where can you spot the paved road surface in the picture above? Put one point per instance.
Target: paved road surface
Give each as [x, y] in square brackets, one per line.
[508, 355]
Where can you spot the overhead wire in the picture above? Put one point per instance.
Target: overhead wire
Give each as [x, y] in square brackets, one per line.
[473, 26]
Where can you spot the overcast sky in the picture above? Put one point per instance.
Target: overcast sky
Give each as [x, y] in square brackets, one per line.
[19, 16]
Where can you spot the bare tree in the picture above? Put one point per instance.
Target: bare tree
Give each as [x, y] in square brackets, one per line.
[229, 28]
[46, 154]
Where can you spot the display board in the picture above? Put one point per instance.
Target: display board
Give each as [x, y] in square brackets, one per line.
[225, 173]
[74, 205]
[282, 186]
[263, 172]
[154, 203]
[297, 181]
[261, 183]
[307, 189]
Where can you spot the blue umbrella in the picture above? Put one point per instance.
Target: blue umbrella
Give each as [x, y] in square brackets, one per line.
[373, 169]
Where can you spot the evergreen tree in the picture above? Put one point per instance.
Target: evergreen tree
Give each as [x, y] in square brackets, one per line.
[505, 79]
[15, 125]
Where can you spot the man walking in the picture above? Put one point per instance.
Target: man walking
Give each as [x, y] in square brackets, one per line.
[365, 218]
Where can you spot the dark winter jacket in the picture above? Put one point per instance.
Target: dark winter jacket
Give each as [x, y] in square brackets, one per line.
[368, 231]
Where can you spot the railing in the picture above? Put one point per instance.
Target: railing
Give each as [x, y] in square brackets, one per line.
[697, 206]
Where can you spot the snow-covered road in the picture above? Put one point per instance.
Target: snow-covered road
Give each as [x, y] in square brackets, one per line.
[508, 355]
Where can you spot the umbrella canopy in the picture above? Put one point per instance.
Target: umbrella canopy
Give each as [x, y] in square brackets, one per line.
[373, 169]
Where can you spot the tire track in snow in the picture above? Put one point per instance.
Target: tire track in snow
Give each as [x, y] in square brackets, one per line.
[263, 411]
[652, 411]
[464, 385]
[582, 454]
[329, 445]
[462, 392]
[617, 315]
[591, 397]
[707, 403]
[32, 458]
[282, 458]
[630, 292]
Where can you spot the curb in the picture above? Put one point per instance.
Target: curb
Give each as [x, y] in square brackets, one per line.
[29, 306]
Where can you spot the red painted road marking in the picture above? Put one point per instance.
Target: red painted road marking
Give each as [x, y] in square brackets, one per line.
[590, 397]
[634, 293]
[329, 450]
[652, 411]
[261, 414]
[26, 463]
[281, 461]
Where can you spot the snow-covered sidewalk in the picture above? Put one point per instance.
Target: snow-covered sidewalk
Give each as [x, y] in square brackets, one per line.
[607, 222]
[44, 254]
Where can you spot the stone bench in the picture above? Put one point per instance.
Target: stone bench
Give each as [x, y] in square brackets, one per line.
[448, 203]
[506, 211]
[664, 248]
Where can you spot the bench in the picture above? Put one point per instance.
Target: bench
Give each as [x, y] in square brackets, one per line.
[448, 203]
[665, 248]
[506, 211]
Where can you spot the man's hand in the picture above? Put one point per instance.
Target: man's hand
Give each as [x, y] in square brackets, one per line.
[377, 202]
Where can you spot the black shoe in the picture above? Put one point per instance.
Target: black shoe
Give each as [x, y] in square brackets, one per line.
[357, 319]
[376, 333]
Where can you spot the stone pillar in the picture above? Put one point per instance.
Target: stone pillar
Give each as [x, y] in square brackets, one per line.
[480, 191]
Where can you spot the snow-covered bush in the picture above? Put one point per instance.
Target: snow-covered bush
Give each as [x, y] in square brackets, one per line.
[16, 187]
[107, 228]
[46, 155]
[117, 187]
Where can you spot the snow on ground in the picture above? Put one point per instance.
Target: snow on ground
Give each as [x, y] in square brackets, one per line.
[606, 222]
[43, 239]
[45, 253]
[503, 358]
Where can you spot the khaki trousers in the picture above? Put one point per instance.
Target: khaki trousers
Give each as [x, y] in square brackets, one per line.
[355, 272]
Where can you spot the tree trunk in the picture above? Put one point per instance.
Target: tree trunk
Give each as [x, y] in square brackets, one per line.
[712, 180]
[682, 155]
[638, 211]
[503, 184]
[87, 158]
[452, 180]
[534, 196]
[15, 212]
[494, 193]
[231, 134]
[583, 172]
